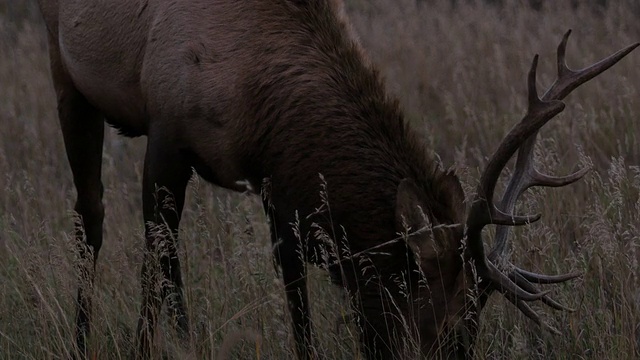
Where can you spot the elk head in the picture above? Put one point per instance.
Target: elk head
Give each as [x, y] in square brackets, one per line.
[456, 274]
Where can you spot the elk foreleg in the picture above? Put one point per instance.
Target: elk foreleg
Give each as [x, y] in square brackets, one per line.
[290, 255]
[165, 178]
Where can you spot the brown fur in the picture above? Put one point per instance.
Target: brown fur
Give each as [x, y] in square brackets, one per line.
[262, 89]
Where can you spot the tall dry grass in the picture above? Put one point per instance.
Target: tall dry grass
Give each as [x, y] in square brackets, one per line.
[460, 73]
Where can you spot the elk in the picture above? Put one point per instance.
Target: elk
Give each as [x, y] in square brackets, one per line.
[274, 93]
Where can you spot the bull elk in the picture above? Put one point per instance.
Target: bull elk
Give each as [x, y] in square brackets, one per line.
[274, 93]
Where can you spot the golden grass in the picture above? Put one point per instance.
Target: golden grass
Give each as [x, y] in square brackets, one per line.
[461, 75]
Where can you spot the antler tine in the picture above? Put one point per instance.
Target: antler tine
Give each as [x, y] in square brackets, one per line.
[509, 288]
[525, 284]
[568, 80]
[520, 303]
[546, 279]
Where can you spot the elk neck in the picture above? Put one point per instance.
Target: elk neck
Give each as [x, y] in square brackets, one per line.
[320, 107]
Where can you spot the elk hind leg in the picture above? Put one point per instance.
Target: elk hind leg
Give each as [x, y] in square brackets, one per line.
[83, 131]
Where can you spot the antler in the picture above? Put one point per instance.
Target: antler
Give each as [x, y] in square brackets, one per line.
[516, 285]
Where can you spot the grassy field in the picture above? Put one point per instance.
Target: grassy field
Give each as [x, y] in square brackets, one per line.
[460, 74]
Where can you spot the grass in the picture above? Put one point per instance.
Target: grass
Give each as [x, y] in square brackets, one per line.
[460, 74]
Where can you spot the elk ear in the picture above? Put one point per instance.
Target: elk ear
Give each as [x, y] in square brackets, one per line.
[451, 189]
[411, 215]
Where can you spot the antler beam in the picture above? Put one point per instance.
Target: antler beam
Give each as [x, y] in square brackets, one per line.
[517, 284]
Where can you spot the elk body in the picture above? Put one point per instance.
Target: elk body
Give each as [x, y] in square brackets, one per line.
[277, 90]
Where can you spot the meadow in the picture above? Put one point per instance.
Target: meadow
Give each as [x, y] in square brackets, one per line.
[460, 74]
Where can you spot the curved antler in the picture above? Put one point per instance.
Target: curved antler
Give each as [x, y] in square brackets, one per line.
[517, 284]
